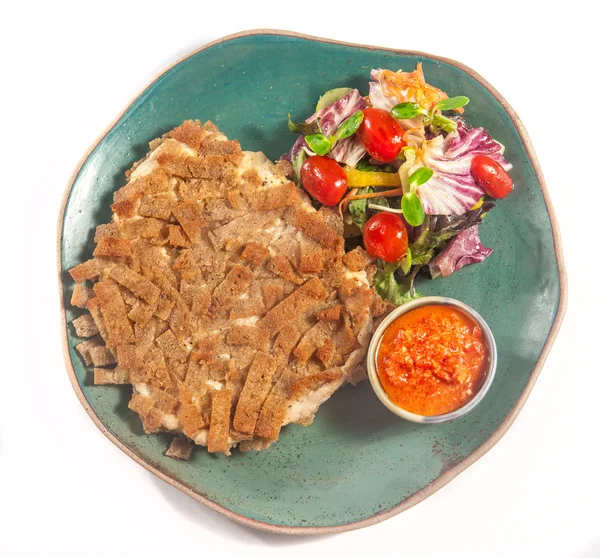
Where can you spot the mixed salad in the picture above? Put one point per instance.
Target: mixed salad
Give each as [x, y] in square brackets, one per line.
[412, 179]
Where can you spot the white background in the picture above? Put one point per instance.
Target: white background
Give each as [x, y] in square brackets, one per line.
[68, 69]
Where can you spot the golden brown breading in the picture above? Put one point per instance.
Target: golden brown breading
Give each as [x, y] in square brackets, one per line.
[221, 295]
[256, 389]
[220, 415]
[81, 296]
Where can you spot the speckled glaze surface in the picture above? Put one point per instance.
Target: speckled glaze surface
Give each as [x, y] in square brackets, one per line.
[358, 463]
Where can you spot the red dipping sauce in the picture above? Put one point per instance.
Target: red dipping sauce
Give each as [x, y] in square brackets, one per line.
[432, 360]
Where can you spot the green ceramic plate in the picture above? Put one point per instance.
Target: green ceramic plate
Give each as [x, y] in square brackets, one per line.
[358, 463]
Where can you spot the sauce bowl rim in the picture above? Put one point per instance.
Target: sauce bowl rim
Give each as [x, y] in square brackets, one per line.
[407, 307]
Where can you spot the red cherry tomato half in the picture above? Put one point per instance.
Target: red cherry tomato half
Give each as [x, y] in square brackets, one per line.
[381, 134]
[385, 237]
[324, 179]
[491, 177]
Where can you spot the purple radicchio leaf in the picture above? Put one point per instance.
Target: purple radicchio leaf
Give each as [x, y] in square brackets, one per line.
[452, 189]
[377, 97]
[348, 151]
[464, 249]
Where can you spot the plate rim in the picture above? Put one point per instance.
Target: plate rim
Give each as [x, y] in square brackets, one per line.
[446, 476]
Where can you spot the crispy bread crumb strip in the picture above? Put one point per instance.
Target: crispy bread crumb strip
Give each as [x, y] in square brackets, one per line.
[218, 370]
[108, 229]
[283, 195]
[254, 392]
[218, 433]
[313, 226]
[285, 342]
[272, 413]
[180, 448]
[252, 176]
[153, 183]
[215, 167]
[186, 265]
[310, 383]
[102, 356]
[282, 266]
[272, 294]
[247, 308]
[196, 377]
[111, 247]
[144, 336]
[328, 355]
[201, 301]
[330, 314]
[121, 376]
[125, 209]
[283, 169]
[141, 404]
[84, 349]
[180, 321]
[358, 305]
[190, 217]
[152, 421]
[177, 237]
[145, 227]
[294, 305]
[248, 336]
[206, 350]
[356, 260]
[171, 347]
[314, 338]
[254, 254]
[155, 370]
[141, 313]
[136, 283]
[345, 339]
[81, 295]
[229, 290]
[94, 309]
[191, 133]
[129, 358]
[160, 208]
[229, 147]
[311, 258]
[105, 376]
[114, 313]
[85, 271]
[85, 326]
[190, 418]
[379, 307]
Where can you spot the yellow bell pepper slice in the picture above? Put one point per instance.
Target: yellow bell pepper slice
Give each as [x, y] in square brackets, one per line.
[362, 179]
[478, 204]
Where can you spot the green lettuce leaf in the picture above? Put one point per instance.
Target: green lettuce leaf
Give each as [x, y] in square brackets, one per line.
[359, 209]
[391, 285]
[365, 166]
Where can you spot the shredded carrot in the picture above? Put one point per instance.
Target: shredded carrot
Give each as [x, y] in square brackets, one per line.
[352, 197]
[412, 87]
[341, 206]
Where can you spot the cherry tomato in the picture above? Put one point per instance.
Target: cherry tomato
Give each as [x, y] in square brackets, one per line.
[381, 134]
[491, 177]
[385, 237]
[324, 179]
